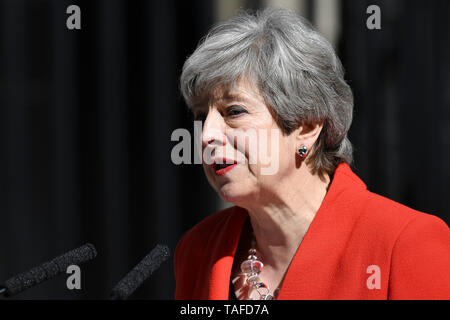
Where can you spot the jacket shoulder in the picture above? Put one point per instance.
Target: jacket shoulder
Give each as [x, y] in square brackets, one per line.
[200, 233]
[421, 260]
[412, 248]
[383, 220]
[194, 244]
[389, 214]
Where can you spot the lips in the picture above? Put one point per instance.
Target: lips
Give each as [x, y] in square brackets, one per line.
[223, 166]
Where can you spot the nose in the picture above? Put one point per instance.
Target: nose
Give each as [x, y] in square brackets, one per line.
[213, 129]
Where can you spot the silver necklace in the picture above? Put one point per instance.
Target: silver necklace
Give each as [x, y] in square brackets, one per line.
[252, 267]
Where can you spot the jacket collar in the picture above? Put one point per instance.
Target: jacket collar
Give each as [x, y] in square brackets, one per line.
[334, 217]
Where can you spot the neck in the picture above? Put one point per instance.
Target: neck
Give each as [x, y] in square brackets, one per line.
[282, 219]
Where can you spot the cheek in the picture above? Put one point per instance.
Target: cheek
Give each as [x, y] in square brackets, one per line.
[258, 145]
[244, 145]
[286, 155]
[276, 157]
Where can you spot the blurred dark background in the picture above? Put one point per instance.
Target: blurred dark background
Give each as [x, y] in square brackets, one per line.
[86, 118]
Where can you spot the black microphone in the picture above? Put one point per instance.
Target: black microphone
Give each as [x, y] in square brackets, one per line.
[136, 277]
[47, 270]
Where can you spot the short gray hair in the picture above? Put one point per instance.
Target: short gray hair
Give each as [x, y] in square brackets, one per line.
[295, 69]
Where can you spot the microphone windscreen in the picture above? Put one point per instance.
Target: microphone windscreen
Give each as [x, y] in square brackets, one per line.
[49, 270]
[140, 273]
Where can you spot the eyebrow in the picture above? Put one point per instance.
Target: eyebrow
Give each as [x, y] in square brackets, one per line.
[227, 97]
[232, 97]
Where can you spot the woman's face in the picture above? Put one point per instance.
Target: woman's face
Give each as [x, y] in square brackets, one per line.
[240, 133]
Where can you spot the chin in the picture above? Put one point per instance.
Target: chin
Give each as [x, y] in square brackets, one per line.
[228, 194]
[233, 193]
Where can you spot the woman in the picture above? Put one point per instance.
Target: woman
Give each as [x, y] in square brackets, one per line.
[309, 229]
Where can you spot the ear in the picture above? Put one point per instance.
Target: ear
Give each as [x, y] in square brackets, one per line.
[308, 133]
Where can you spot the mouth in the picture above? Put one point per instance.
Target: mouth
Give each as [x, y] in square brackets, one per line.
[225, 166]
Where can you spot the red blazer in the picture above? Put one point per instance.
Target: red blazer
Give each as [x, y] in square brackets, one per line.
[356, 238]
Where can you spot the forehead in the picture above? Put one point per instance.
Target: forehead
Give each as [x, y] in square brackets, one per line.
[241, 91]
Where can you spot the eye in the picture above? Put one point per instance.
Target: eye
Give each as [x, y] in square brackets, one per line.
[235, 110]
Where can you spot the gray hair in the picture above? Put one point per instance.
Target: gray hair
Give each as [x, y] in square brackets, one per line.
[295, 69]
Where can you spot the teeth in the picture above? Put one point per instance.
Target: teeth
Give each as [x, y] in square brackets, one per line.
[221, 166]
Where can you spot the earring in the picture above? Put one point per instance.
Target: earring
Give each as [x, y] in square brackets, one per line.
[302, 151]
